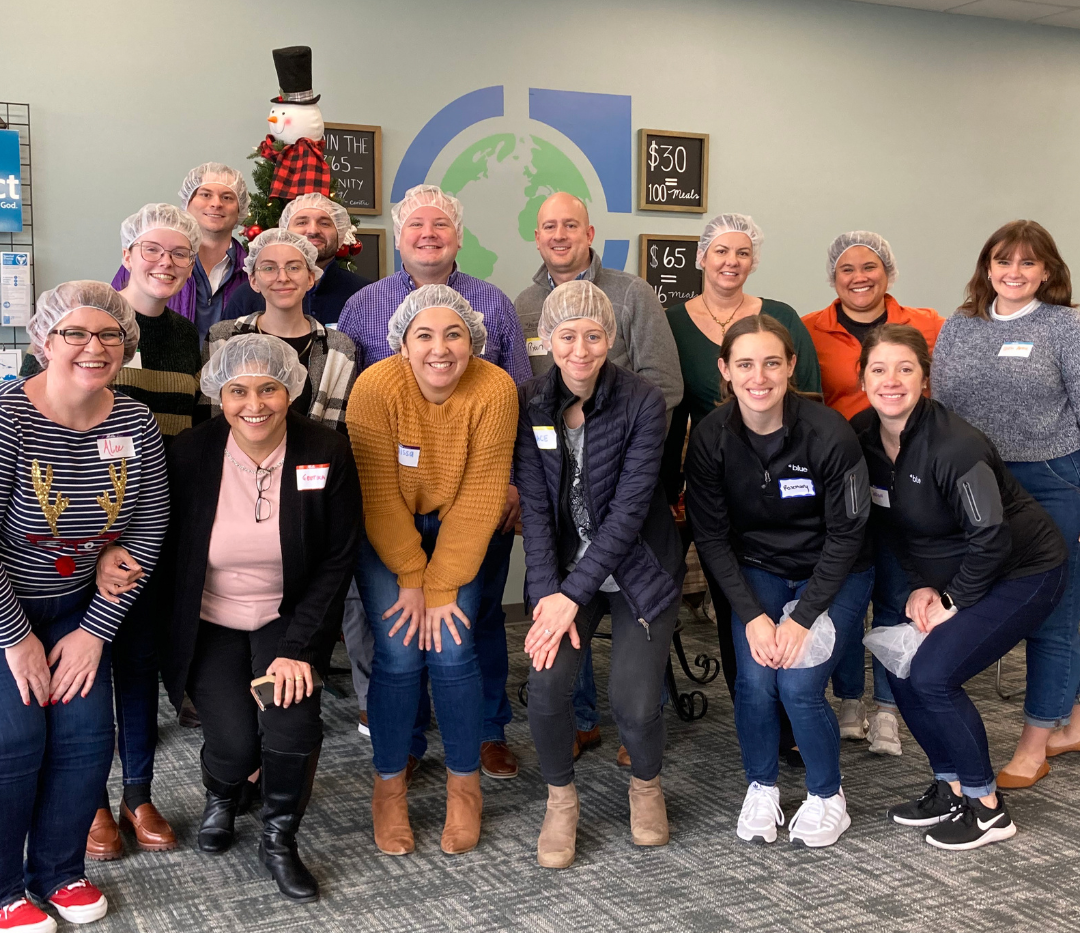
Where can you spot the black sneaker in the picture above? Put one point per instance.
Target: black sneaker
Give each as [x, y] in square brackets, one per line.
[937, 804]
[973, 825]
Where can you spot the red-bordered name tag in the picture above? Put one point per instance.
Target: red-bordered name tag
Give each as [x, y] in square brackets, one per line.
[312, 476]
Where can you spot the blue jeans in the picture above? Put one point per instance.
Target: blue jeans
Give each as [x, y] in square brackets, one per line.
[489, 636]
[932, 700]
[135, 682]
[891, 589]
[1053, 650]
[54, 762]
[757, 688]
[397, 669]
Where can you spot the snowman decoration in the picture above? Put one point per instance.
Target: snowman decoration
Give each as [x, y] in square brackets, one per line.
[295, 142]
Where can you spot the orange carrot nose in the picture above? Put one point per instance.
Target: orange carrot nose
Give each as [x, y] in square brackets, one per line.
[272, 119]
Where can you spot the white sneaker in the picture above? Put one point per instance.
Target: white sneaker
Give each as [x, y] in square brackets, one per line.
[853, 723]
[760, 814]
[362, 726]
[884, 734]
[820, 821]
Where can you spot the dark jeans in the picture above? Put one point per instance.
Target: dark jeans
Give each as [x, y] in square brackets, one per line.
[54, 762]
[932, 700]
[801, 691]
[1053, 650]
[638, 661]
[226, 661]
[135, 684]
[394, 696]
[489, 636]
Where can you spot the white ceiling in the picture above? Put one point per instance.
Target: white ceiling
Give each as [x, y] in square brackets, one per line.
[1055, 13]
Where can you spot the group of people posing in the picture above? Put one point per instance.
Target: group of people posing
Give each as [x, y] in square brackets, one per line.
[219, 465]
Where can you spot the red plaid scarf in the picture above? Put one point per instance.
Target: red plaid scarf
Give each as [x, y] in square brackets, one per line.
[300, 168]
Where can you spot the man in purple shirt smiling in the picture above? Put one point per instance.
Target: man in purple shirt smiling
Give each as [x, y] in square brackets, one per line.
[428, 231]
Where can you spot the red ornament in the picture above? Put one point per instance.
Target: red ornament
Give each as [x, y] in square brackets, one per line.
[253, 231]
[355, 248]
[65, 566]
[342, 253]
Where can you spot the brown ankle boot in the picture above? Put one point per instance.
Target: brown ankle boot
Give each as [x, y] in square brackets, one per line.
[464, 804]
[557, 844]
[390, 813]
[648, 814]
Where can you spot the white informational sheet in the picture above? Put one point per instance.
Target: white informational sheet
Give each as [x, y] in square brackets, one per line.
[10, 362]
[14, 289]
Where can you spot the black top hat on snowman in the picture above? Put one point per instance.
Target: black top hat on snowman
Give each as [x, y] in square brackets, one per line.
[293, 66]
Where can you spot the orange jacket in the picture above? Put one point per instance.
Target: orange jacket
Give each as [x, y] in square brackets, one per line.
[838, 351]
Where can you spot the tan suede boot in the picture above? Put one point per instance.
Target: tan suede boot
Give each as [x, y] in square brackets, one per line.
[648, 814]
[464, 804]
[557, 844]
[390, 814]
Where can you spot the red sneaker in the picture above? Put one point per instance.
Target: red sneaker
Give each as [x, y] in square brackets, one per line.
[80, 902]
[23, 917]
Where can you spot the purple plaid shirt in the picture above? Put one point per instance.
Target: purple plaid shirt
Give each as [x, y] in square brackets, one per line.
[366, 316]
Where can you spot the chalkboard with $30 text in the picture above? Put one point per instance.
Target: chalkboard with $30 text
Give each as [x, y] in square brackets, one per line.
[673, 171]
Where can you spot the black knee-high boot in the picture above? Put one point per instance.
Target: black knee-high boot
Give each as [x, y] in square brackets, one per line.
[286, 781]
[216, 832]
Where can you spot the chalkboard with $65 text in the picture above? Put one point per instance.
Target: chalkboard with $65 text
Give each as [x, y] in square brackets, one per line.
[354, 154]
[673, 171]
[667, 264]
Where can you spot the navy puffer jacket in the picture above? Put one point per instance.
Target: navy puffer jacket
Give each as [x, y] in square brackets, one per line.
[636, 540]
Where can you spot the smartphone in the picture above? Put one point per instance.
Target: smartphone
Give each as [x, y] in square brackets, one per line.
[262, 688]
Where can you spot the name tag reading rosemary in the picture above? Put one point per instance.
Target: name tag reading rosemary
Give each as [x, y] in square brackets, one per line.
[796, 488]
[408, 456]
[1020, 348]
[115, 447]
[545, 437]
[534, 346]
[312, 476]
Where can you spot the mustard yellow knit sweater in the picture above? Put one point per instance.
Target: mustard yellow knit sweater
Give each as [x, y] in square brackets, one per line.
[462, 469]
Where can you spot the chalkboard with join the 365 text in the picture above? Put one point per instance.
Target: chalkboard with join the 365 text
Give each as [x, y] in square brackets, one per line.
[673, 171]
[354, 154]
[667, 264]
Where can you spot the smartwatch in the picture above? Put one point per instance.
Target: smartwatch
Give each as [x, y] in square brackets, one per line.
[947, 603]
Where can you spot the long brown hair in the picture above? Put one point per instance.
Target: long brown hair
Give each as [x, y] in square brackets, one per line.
[903, 335]
[755, 324]
[1034, 242]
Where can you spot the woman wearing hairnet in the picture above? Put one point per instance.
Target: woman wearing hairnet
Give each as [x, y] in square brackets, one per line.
[861, 267]
[81, 468]
[433, 432]
[282, 267]
[599, 539]
[266, 523]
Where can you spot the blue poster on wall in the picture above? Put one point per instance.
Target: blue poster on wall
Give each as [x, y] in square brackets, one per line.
[10, 183]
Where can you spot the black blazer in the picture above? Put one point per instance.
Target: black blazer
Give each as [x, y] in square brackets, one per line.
[320, 529]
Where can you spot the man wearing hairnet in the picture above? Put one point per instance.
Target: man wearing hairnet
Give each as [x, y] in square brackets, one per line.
[217, 197]
[327, 227]
[428, 231]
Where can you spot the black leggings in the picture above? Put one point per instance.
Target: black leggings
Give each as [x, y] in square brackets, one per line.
[638, 662]
[226, 661]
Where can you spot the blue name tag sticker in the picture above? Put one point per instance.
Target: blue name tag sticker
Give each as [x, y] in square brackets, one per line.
[796, 488]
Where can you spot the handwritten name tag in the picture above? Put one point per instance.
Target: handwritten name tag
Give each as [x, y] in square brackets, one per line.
[545, 437]
[312, 476]
[880, 497]
[408, 456]
[796, 488]
[535, 346]
[1021, 348]
[115, 447]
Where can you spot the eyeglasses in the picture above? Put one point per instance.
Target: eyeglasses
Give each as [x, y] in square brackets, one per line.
[152, 252]
[292, 269]
[263, 479]
[78, 337]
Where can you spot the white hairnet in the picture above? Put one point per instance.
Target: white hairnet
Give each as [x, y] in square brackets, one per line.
[278, 235]
[346, 236]
[572, 301]
[253, 355]
[731, 223]
[160, 217]
[427, 196]
[436, 296]
[216, 173]
[57, 303]
[871, 241]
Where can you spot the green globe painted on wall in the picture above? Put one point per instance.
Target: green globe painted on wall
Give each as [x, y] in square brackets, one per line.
[502, 180]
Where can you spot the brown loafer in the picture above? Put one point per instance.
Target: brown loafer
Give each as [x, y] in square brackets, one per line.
[1009, 781]
[497, 761]
[103, 842]
[1061, 750]
[152, 832]
[583, 741]
[410, 769]
[622, 759]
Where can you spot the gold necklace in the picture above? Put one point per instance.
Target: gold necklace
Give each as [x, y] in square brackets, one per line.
[723, 325]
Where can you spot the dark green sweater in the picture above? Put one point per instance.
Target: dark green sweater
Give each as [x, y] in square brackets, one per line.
[698, 357]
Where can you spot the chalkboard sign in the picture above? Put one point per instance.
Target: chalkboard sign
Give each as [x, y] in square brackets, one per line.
[354, 154]
[667, 264]
[370, 262]
[673, 171]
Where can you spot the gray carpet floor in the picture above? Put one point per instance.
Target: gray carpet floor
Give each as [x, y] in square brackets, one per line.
[878, 878]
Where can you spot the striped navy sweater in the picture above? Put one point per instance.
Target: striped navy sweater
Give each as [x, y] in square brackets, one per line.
[65, 495]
